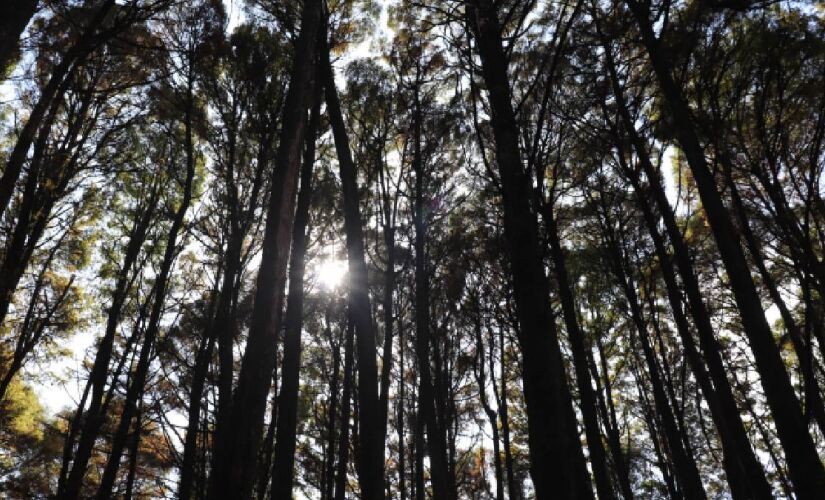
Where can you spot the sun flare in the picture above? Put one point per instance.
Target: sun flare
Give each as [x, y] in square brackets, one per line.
[331, 273]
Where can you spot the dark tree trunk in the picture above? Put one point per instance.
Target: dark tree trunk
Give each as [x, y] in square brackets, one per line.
[133, 455]
[69, 486]
[744, 471]
[685, 467]
[14, 17]
[238, 437]
[138, 380]
[402, 436]
[492, 416]
[514, 490]
[346, 399]
[443, 486]
[328, 482]
[57, 85]
[598, 458]
[190, 444]
[805, 467]
[370, 454]
[556, 458]
[285, 437]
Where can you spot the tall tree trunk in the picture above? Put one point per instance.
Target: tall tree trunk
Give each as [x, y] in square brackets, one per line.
[743, 469]
[328, 482]
[370, 454]
[137, 384]
[687, 473]
[285, 436]
[598, 458]
[556, 459]
[402, 436]
[190, 444]
[57, 85]
[806, 469]
[492, 417]
[237, 438]
[70, 481]
[443, 485]
[607, 409]
[514, 491]
[133, 454]
[346, 399]
[14, 17]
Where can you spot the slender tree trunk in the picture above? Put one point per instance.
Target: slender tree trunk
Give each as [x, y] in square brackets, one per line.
[598, 458]
[556, 458]
[443, 486]
[285, 436]
[133, 454]
[332, 413]
[190, 445]
[236, 445]
[69, 485]
[744, 471]
[402, 437]
[57, 85]
[686, 470]
[514, 491]
[481, 379]
[346, 398]
[370, 454]
[611, 426]
[136, 386]
[806, 469]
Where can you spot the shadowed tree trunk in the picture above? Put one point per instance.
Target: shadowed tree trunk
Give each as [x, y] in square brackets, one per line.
[70, 480]
[236, 443]
[598, 459]
[138, 380]
[285, 438]
[805, 467]
[370, 454]
[346, 400]
[14, 17]
[443, 485]
[556, 459]
[744, 471]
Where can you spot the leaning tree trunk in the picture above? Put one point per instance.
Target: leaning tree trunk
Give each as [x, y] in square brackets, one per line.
[686, 471]
[14, 17]
[598, 458]
[70, 480]
[805, 467]
[371, 444]
[138, 380]
[236, 443]
[283, 469]
[556, 459]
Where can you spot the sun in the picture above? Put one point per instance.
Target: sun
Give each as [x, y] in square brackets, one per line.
[331, 273]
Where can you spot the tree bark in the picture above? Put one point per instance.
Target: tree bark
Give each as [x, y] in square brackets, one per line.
[370, 454]
[236, 443]
[138, 381]
[598, 458]
[285, 437]
[686, 471]
[556, 459]
[69, 485]
[346, 399]
[805, 467]
[14, 17]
